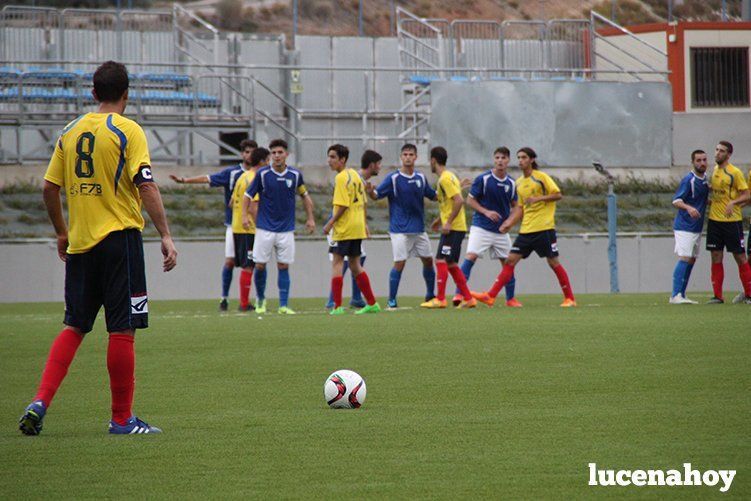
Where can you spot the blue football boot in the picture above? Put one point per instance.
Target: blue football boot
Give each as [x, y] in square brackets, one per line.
[133, 426]
[31, 421]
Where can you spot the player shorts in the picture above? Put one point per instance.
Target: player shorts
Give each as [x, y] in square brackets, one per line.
[748, 242]
[687, 243]
[497, 245]
[727, 235]
[112, 274]
[243, 249]
[450, 246]
[279, 244]
[346, 258]
[406, 245]
[544, 243]
[348, 248]
[229, 243]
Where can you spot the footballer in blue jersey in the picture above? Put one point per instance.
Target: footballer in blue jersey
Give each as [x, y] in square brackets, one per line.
[691, 201]
[406, 190]
[492, 195]
[226, 179]
[273, 191]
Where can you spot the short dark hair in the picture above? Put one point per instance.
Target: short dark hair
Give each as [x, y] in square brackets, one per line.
[409, 146]
[697, 152]
[727, 145]
[340, 150]
[276, 143]
[248, 143]
[110, 82]
[531, 154]
[502, 150]
[369, 157]
[258, 156]
[440, 154]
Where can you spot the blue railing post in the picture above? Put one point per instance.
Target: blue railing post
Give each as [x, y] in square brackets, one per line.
[612, 238]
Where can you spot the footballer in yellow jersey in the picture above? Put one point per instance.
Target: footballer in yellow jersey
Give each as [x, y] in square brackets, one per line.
[728, 193]
[538, 195]
[101, 161]
[452, 224]
[349, 229]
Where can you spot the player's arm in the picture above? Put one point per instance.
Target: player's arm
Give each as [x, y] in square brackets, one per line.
[190, 180]
[741, 200]
[550, 197]
[307, 203]
[249, 210]
[339, 211]
[680, 204]
[475, 205]
[51, 196]
[516, 214]
[152, 202]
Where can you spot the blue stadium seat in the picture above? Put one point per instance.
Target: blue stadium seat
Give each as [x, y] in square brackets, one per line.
[173, 78]
[49, 74]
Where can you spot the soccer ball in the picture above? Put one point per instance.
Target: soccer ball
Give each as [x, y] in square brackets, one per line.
[344, 389]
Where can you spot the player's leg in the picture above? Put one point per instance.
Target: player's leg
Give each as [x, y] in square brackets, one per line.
[442, 274]
[357, 301]
[227, 269]
[685, 244]
[476, 245]
[400, 252]
[500, 249]
[420, 246]
[452, 260]
[742, 296]
[744, 272]
[518, 252]
[337, 282]
[362, 279]
[715, 246]
[546, 246]
[262, 249]
[244, 261]
[285, 247]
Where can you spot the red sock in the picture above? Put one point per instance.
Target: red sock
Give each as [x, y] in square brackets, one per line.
[121, 364]
[246, 278]
[745, 272]
[718, 276]
[336, 289]
[363, 282]
[442, 273]
[61, 355]
[461, 281]
[560, 272]
[504, 277]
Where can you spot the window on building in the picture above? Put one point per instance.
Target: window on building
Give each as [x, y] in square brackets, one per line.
[719, 77]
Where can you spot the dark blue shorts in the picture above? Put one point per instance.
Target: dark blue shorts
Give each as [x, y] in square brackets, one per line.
[244, 249]
[544, 243]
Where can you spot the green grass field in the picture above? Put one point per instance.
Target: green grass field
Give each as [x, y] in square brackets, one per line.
[494, 403]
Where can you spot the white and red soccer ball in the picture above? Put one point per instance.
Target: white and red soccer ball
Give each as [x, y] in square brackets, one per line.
[344, 389]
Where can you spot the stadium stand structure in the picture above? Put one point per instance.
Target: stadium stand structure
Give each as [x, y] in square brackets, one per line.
[190, 81]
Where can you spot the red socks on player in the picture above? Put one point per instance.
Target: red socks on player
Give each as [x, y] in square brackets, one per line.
[718, 276]
[560, 272]
[246, 279]
[504, 277]
[363, 282]
[121, 364]
[336, 290]
[61, 355]
[744, 271]
[461, 281]
[442, 276]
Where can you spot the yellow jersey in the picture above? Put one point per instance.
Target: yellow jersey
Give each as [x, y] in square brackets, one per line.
[448, 187]
[539, 216]
[349, 192]
[238, 195]
[725, 185]
[96, 159]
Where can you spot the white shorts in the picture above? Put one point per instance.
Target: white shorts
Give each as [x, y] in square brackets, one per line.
[281, 245]
[497, 245]
[330, 242]
[406, 245]
[687, 243]
[229, 243]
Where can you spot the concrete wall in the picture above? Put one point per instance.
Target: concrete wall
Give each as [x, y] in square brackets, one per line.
[32, 272]
[693, 131]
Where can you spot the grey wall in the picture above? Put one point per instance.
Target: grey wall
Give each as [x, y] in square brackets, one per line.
[32, 272]
[567, 123]
[693, 131]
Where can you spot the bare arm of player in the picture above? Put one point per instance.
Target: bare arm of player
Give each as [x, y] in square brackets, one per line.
[740, 201]
[338, 213]
[190, 180]
[490, 214]
[307, 202]
[513, 218]
[553, 197]
[152, 202]
[51, 196]
[455, 209]
[246, 212]
[680, 204]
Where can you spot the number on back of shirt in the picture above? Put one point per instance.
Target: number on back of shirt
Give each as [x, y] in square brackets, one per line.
[84, 150]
